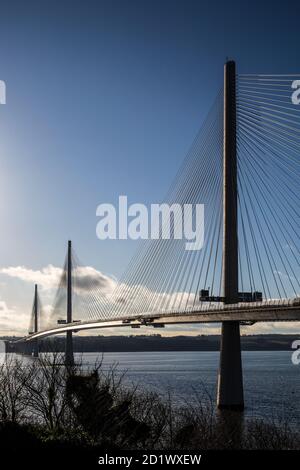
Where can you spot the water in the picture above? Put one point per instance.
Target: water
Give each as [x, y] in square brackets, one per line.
[271, 381]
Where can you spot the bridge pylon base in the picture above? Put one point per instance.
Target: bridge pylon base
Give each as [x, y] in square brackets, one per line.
[36, 348]
[230, 379]
[69, 356]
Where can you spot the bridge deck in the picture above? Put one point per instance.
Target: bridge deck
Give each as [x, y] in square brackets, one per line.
[277, 312]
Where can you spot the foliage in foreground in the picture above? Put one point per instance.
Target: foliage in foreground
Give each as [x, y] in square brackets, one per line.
[43, 403]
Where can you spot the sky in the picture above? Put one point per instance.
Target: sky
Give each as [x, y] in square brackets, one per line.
[104, 98]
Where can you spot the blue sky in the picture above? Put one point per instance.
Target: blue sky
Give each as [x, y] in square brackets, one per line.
[104, 98]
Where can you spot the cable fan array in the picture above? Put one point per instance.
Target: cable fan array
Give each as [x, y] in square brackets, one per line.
[36, 308]
[268, 141]
[164, 276]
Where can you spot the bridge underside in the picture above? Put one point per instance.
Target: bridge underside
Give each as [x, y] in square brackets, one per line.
[247, 315]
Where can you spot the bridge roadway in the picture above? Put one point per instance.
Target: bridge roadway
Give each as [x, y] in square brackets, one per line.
[275, 311]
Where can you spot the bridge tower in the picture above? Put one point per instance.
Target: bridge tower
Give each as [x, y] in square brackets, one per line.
[69, 356]
[35, 325]
[230, 378]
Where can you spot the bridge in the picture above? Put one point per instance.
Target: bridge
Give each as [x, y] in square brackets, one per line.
[244, 167]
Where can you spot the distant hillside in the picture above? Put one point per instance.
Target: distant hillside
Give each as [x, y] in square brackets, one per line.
[161, 343]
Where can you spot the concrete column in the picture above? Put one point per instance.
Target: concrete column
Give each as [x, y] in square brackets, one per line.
[69, 356]
[35, 343]
[230, 378]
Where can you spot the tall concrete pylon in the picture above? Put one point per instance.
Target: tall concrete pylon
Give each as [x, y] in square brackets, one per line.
[69, 356]
[35, 326]
[230, 379]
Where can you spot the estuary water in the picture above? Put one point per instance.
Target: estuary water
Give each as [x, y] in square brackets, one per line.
[271, 380]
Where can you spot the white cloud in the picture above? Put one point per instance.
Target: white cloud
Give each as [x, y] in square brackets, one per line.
[135, 298]
[86, 277]
[47, 278]
[12, 321]
[271, 328]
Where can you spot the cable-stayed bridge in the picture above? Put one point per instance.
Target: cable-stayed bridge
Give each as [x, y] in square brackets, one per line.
[244, 167]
